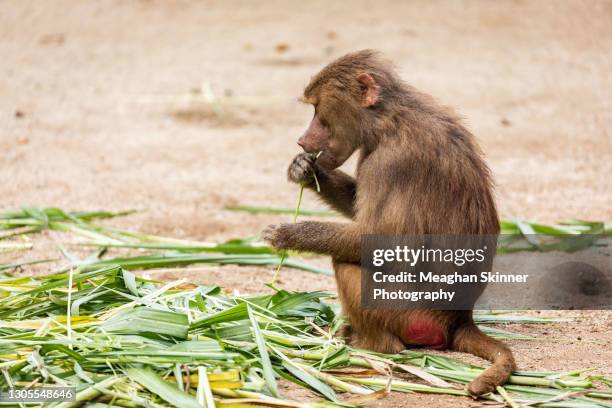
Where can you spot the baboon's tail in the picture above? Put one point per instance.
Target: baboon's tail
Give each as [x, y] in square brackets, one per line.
[470, 339]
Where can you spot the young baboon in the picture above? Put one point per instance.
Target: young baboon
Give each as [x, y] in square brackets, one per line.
[419, 172]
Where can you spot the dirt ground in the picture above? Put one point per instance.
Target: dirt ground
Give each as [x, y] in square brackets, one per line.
[99, 110]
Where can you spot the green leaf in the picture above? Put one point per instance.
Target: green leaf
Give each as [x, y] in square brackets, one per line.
[271, 210]
[313, 382]
[165, 390]
[238, 312]
[129, 279]
[147, 320]
[268, 371]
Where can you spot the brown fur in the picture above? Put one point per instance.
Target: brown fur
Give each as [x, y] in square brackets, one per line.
[419, 172]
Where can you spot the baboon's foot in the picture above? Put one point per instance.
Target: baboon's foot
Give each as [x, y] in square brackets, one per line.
[482, 385]
[382, 342]
[345, 332]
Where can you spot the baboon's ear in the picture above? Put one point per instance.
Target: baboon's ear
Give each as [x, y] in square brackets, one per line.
[369, 90]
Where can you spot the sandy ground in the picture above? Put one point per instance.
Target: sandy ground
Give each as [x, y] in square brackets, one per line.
[97, 111]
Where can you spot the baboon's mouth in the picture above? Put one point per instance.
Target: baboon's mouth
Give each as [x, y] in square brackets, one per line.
[326, 160]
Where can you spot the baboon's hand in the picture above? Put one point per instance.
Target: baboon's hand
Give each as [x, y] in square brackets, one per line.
[302, 169]
[278, 235]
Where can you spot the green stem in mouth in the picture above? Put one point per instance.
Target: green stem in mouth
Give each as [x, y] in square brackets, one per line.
[315, 174]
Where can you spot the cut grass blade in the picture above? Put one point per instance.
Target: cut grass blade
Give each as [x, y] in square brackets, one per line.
[145, 320]
[165, 390]
[7, 267]
[503, 334]
[271, 210]
[226, 248]
[15, 246]
[268, 371]
[91, 392]
[483, 317]
[204, 392]
[307, 378]
[182, 259]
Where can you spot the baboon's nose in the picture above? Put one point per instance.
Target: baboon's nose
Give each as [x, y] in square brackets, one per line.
[302, 143]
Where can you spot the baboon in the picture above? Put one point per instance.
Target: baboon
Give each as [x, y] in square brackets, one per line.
[419, 172]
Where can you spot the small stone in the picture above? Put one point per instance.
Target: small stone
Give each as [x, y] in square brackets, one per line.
[281, 47]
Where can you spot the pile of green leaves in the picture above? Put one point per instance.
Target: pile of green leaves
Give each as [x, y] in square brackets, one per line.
[122, 340]
[129, 341]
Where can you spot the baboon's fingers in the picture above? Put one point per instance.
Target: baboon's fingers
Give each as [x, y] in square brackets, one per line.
[301, 169]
